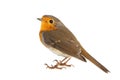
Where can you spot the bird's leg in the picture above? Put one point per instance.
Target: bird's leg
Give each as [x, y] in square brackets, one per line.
[59, 64]
[63, 62]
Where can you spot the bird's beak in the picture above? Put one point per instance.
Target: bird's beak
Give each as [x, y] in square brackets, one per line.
[39, 19]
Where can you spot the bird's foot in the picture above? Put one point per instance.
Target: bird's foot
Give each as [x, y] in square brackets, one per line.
[60, 64]
[54, 66]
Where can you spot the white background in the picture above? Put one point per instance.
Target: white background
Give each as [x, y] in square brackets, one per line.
[96, 24]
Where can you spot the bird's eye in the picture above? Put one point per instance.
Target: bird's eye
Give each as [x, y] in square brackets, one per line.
[51, 21]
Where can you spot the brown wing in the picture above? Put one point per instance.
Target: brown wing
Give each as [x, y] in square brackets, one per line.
[63, 41]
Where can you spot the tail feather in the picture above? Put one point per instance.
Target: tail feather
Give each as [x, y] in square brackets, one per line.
[94, 61]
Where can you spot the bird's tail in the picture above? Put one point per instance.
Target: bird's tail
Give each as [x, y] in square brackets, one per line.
[94, 61]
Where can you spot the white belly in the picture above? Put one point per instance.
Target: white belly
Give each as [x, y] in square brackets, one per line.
[59, 53]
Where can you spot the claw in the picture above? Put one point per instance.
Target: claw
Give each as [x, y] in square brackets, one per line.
[56, 60]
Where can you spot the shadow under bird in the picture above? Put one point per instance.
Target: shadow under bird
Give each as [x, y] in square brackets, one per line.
[59, 39]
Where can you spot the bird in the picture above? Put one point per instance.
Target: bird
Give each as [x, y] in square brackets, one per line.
[60, 40]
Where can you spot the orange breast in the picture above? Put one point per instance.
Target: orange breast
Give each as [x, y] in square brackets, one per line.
[40, 36]
[47, 27]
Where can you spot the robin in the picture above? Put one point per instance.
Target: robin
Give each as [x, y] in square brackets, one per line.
[58, 38]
